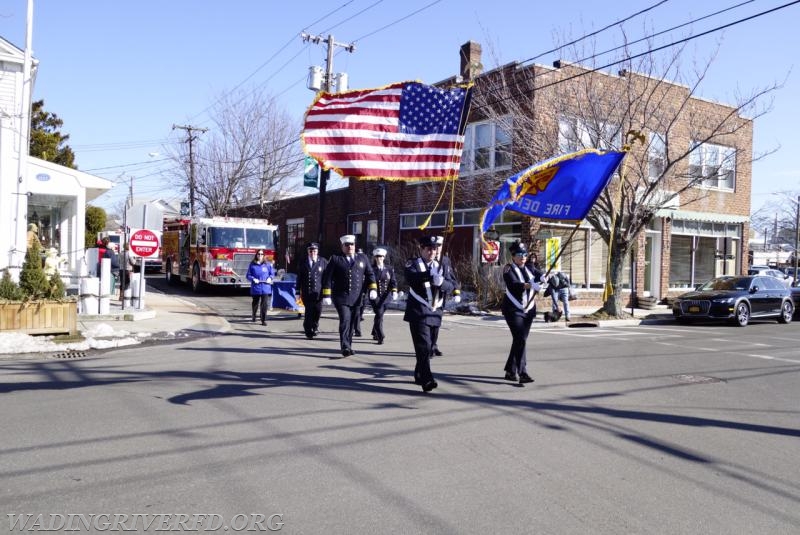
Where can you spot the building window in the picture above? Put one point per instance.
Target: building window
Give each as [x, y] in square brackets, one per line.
[461, 218]
[372, 233]
[487, 147]
[656, 157]
[713, 166]
[576, 134]
[295, 238]
[698, 254]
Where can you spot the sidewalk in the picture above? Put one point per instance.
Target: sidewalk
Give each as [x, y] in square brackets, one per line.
[168, 317]
[165, 317]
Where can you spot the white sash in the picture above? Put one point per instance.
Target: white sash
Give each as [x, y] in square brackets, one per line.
[527, 295]
[431, 303]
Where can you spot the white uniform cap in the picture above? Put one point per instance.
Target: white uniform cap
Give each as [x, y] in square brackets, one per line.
[347, 238]
[438, 240]
[380, 251]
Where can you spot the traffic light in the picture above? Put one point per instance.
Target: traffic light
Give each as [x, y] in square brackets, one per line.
[311, 173]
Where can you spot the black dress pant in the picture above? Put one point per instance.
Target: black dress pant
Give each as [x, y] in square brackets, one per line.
[520, 326]
[421, 337]
[311, 315]
[377, 324]
[347, 316]
[260, 305]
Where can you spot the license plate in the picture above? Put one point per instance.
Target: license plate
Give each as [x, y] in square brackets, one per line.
[694, 309]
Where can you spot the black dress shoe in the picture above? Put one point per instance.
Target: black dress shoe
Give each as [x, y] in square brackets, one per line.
[437, 353]
[357, 334]
[430, 385]
[511, 377]
[263, 322]
[347, 352]
[380, 341]
[525, 378]
[309, 336]
[417, 381]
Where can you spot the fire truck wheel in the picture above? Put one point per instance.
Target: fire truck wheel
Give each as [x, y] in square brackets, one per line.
[196, 278]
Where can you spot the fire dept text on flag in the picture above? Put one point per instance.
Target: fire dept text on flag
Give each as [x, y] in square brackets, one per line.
[404, 131]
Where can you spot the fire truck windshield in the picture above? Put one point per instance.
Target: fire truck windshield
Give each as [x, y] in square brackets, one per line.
[233, 237]
[259, 238]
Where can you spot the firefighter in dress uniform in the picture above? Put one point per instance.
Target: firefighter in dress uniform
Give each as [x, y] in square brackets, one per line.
[518, 309]
[450, 274]
[427, 288]
[342, 283]
[387, 289]
[309, 287]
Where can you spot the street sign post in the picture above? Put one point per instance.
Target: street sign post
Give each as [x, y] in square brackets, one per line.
[144, 243]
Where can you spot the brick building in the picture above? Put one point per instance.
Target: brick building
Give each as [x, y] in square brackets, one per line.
[691, 233]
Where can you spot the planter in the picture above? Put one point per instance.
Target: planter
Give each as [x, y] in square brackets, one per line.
[40, 317]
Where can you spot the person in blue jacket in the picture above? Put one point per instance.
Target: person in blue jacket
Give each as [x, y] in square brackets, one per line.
[260, 274]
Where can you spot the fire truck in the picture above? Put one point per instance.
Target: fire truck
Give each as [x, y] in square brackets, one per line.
[214, 251]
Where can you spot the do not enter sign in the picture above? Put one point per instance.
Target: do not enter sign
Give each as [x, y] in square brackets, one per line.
[490, 251]
[144, 243]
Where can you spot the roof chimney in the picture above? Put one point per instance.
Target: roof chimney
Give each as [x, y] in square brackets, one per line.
[471, 65]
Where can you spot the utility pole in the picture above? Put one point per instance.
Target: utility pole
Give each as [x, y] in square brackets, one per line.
[328, 87]
[190, 139]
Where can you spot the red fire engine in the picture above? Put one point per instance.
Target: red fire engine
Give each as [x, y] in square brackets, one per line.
[214, 250]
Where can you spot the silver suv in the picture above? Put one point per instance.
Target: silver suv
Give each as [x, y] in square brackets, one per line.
[785, 279]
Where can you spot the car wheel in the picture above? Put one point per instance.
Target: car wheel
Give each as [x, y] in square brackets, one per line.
[742, 316]
[196, 278]
[787, 311]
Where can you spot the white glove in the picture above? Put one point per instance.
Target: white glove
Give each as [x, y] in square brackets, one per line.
[373, 295]
[437, 278]
[269, 280]
[457, 299]
[394, 296]
[536, 287]
[327, 301]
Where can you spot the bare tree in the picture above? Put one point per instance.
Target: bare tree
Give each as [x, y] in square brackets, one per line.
[650, 105]
[248, 155]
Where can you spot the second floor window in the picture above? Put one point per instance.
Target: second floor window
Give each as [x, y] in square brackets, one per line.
[487, 147]
[656, 157]
[713, 166]
[575, 134]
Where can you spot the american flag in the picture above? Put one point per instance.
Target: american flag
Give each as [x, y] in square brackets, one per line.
[404, 131]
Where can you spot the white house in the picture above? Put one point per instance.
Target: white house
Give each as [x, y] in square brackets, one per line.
[32, 190]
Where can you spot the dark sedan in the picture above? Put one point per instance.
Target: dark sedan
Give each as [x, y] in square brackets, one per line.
[737, 299]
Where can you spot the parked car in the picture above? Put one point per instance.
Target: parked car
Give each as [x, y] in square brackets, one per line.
[796, 300]
[790, 271]
[785, 279]
[737, 299]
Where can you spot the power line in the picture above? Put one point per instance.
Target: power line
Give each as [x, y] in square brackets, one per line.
[645, 53]
[273, 56]
[423, 8]
[528, 77]
[645, 38]
[597, 31]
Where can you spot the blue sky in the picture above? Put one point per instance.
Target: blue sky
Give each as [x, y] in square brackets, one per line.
[121, 73]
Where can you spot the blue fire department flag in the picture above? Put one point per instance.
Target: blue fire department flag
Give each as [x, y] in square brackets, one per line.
[562, 188]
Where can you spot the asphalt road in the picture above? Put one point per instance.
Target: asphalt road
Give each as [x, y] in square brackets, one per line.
[641, 429]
